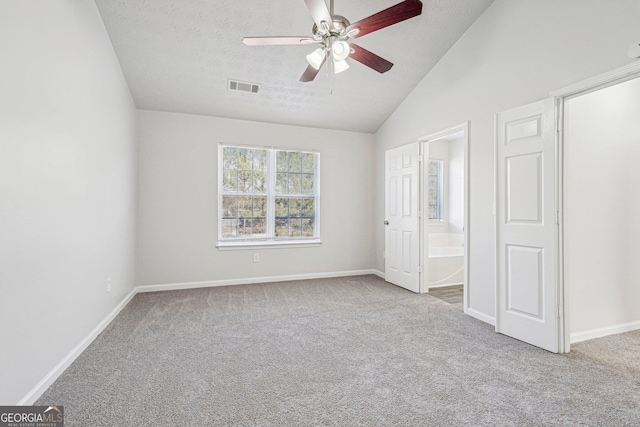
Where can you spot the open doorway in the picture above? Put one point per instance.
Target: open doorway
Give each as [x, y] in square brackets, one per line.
[601, 206]
[598, 139]
[444, 203]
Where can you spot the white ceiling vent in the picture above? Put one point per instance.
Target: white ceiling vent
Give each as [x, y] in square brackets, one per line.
[244, 86]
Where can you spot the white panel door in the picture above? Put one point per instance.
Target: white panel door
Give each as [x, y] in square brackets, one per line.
[526, 225]
[402, 240]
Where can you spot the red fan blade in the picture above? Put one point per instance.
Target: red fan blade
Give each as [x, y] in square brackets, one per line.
[275, 41]
[398, 13]
[310, 73]
[319, 12]
[369, 59]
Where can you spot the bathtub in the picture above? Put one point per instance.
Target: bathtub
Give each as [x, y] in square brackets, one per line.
[446, 262]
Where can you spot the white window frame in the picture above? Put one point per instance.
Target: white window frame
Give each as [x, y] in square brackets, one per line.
[238, 243]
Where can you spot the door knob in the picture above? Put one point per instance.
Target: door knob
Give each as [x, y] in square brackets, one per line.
[386, 223]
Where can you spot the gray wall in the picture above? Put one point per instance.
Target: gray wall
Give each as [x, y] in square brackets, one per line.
[178, 172]
[67, 185]
[515, 53]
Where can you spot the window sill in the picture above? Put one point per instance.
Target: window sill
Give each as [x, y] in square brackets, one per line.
[275, 244]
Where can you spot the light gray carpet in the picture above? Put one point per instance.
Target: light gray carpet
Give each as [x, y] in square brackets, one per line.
[347, 352]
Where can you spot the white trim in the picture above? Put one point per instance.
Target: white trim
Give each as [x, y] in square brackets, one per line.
[481, 316]
[496, 266]
[628, 71]
[53, 375]
[603, 332]
[564, 342]
[250, 280]
[270, 244]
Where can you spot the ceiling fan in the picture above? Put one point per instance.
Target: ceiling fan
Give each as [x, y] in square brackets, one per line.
[333, 32]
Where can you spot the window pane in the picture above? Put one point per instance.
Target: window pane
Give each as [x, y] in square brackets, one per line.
[259, 226]
[295, 162]
[308, 163]
[245, 207]
[244, 227]
[229, 227]
[230, 180]
[244, 158]
[294, 209]
[244, 181]
[229, 207]
[282, 161]
[307, 208]
[282, 207]
[307, 184]
[259, 207]
[295, 228]
[282, 181]
[259, 182]
[294, 183]
[230, 155]
[282, 227]
[259, 160]
[307, 227]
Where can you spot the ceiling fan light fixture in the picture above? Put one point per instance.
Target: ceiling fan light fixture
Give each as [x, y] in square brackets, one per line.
[340, 66]
[316, 58]
[340, 50]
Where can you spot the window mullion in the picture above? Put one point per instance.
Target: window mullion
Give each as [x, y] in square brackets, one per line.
[271, 186]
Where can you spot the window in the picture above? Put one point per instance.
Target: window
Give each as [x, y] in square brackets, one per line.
[435, 190]
[267, 196]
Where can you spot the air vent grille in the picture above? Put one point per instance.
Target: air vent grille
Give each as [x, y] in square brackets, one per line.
[244, 86]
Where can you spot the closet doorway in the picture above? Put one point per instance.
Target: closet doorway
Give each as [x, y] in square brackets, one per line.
[601, 205]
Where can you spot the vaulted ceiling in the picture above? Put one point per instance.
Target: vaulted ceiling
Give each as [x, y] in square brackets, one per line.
[177, 56]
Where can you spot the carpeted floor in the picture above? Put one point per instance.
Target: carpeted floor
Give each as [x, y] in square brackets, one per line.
[348, 352]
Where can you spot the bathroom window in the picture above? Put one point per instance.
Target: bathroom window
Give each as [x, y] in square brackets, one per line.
[434, 203]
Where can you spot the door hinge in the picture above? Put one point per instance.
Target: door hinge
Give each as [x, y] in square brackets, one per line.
[420, 158]
[559, 311]
[419, 214]
[419, 269]
[557, 217]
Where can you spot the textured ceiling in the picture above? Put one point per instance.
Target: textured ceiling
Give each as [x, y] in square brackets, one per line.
[177, 56]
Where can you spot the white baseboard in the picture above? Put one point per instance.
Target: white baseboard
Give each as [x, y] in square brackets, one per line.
[53, 375]
[481, 316]
[250, 280]
[603, 332]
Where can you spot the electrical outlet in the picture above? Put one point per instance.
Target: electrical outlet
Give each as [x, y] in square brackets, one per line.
[256, 257]
[109, 284]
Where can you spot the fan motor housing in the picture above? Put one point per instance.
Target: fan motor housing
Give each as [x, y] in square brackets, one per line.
[340, 24]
